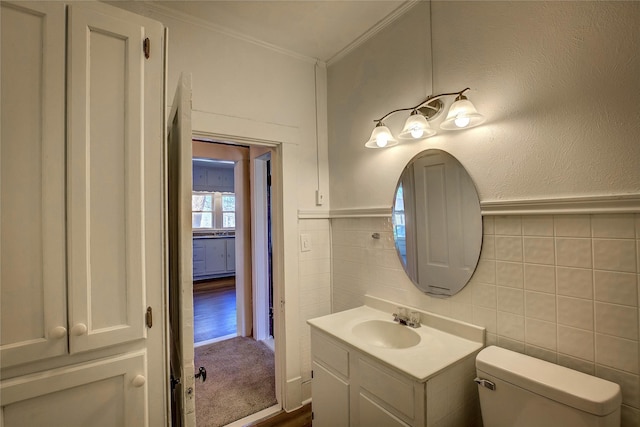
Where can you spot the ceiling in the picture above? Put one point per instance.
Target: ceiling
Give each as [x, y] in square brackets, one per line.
[320, 29]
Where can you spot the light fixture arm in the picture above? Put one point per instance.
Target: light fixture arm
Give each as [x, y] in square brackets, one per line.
[424, 103]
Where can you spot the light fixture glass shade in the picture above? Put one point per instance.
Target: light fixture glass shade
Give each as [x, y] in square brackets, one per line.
[416, 127]
[381, 137]
[462, 115]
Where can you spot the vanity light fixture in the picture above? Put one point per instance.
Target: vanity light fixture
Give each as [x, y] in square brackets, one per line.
[462, 115]
[381, 137]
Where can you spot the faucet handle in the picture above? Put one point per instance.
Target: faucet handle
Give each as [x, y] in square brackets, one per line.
[414, 319]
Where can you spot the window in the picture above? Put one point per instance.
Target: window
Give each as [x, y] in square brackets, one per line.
[399, 224]
[398, 215]
[202, 210]
[228, 211]
[213, 210]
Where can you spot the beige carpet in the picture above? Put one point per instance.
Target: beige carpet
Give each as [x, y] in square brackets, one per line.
[240, 381]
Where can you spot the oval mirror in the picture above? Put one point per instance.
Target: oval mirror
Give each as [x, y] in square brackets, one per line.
[437, 224]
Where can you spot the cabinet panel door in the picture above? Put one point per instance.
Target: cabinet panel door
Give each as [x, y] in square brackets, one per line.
[227, 180]
[214, 179]
[199, 178]
[372, 414]
[231, 255]
[330, 396]
[108, 393]
[216, 256]
[32, 256]
[106, 186]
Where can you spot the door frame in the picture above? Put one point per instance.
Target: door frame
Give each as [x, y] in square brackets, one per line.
[260, 246]
[240, 155]
[278, 273]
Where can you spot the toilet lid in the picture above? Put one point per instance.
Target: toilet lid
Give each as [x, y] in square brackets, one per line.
[576, 389]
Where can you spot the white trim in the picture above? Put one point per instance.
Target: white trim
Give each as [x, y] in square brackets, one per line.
[623, 203]
[280, 245]
[313, 214]
[260, 260]
[228, 128]
[362, 212]
[382, 24]
[214, 340]
[258, 416]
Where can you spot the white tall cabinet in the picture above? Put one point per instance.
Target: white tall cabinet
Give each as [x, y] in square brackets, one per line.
[81, 256]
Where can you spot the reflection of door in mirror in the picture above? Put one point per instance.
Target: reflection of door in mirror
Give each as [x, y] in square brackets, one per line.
[442, 223]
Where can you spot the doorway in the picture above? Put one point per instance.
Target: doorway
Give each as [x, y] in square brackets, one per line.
[232, 280]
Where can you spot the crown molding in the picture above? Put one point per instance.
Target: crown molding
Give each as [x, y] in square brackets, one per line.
[370, 33]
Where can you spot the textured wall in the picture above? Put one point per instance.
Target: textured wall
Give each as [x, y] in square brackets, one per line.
[562, 288]
[391, 70]
[558, 82]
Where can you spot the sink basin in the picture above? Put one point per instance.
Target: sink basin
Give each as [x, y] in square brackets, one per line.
[381, 333]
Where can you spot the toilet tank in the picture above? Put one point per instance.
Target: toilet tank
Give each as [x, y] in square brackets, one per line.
[522, 391]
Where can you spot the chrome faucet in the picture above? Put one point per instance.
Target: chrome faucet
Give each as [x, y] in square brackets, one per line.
[412, 319]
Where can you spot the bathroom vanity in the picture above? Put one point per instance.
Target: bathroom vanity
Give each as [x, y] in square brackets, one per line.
[370, 371]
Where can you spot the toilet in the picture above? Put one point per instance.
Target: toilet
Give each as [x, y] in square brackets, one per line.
[521, 391]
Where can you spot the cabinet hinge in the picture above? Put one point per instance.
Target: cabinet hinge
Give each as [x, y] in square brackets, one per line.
[312, 373]
[146, 47]
[149, 317]
[312, 415]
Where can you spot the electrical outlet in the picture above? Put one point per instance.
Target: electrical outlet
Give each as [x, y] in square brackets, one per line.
[305, 243]
[319, 197]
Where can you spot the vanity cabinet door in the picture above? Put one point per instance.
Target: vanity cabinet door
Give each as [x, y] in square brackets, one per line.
[377, 385]
[330, 395]
[372, 414]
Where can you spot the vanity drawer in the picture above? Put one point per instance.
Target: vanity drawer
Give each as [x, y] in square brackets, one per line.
[332, 355]
[394, 391]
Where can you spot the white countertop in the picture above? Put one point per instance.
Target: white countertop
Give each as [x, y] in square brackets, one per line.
[436, 350]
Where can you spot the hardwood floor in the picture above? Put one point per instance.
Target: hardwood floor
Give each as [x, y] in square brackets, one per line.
[214, 310]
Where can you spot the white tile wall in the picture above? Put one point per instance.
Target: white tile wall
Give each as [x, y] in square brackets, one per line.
[315, 284]
[564, 288]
